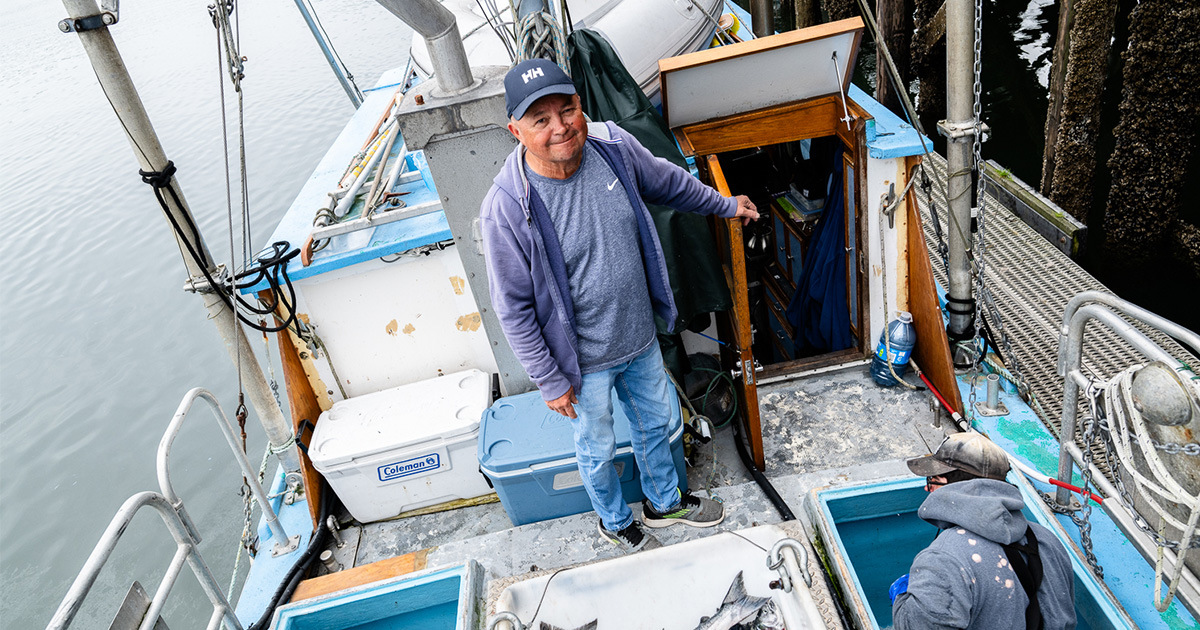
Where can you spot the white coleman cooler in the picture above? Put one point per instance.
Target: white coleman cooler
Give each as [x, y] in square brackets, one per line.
[404, 448]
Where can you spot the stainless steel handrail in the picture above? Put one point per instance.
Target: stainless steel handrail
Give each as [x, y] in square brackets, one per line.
[282, 543]
[170, 507]
[185, 552]
[1070, 352]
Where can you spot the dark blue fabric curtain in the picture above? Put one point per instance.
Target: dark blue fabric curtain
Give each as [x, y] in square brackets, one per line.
[819, 309]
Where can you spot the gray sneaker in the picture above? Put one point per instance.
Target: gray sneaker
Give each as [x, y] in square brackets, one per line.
[692, 510]
[631, 539]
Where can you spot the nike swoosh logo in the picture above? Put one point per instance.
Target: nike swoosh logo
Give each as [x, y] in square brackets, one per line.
[610, 186]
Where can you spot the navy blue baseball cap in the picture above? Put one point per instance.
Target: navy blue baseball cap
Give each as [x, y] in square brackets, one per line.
[530, 80]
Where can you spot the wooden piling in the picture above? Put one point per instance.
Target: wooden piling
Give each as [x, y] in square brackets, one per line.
[840, 9]
[1058, 76]
[1156, 135]
[1072, 146]
[928, 53]
[895, 29]
[807, 12]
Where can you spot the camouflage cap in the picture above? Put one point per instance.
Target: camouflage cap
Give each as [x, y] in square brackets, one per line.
[971, 452]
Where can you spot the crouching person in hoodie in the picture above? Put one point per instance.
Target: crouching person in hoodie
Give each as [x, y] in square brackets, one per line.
[576, 274]
[989, 568]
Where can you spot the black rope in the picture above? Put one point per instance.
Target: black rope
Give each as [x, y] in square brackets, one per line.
[270, 267]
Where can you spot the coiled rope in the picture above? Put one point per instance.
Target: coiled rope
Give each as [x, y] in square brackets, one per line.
[540, 36]
[1127, 430]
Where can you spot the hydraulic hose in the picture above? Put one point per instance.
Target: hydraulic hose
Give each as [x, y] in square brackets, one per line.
[784, 511]
[293, 578]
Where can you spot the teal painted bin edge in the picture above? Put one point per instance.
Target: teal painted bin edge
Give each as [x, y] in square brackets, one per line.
[470, 575]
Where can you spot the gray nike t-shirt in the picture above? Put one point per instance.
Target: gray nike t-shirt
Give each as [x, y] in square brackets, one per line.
[598, 232]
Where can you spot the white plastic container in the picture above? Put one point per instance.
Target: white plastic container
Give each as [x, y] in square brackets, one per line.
[404, 448]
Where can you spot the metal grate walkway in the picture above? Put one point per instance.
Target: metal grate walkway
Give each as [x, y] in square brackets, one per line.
[1031, 281]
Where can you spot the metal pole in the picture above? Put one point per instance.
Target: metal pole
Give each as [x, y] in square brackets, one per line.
[439, 27]
[118, 86]
[351, 89]
[762, 14]
[960, 114]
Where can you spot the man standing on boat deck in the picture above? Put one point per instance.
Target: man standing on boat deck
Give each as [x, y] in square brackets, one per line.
[987, 559]
[576, 274]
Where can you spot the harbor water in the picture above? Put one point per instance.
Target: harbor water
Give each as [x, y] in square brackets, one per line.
[98, 341]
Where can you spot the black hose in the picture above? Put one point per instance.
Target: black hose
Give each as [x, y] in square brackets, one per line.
[784, 511]
[293, 578]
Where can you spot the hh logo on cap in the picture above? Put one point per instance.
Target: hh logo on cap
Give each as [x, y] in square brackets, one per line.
[532, 73]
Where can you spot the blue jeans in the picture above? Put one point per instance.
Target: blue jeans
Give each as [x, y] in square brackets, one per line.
[643, 391]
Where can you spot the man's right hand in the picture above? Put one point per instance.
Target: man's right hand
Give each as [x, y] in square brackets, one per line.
[565, 404]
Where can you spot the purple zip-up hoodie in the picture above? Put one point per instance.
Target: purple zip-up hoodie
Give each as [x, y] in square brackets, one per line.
[527, 275]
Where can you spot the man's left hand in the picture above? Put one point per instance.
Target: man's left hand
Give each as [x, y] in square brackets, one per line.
[746, 211]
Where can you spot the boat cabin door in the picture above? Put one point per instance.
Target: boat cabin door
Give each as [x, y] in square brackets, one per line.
[769, 119]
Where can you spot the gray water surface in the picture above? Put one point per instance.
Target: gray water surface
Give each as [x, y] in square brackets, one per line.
[98, 343]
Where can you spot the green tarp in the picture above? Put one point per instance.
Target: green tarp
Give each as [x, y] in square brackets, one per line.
[608, 92]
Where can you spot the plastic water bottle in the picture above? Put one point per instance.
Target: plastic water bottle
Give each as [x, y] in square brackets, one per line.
[898, 340]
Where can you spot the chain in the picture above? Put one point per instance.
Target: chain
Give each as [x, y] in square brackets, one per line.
[1083, 526]
[1085, 530]
[1191, 449]
[1082, 518]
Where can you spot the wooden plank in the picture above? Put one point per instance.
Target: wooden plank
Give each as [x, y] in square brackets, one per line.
[762, 44]
[932, 353]
[358, 576]
[845, 132]
[685, 145]
[810, 118]
[737, 260]
[862, 264]
[741, 317]
[840, 357]
[303, 405]
[900, 216]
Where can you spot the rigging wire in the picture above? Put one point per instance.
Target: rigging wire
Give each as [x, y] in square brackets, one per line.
[496, 27]
[329, 42]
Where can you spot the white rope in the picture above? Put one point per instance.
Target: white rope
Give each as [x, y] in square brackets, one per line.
[540, 36]
[1126, 426]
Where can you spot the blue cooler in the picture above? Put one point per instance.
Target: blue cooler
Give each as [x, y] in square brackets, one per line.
[528, 453]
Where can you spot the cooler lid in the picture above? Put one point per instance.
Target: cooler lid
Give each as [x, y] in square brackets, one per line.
[521, 431]
[758, 73]
[439, 408]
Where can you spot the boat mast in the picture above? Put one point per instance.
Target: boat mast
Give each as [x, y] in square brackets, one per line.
[959, 129]
[87, 20]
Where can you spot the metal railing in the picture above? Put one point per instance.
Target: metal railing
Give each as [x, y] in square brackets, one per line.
[283, 544]
[1082, 309]
[1110, 312]
[185, 552]
[171, 509]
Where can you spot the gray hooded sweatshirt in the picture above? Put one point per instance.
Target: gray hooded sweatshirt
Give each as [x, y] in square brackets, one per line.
[964, 580]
